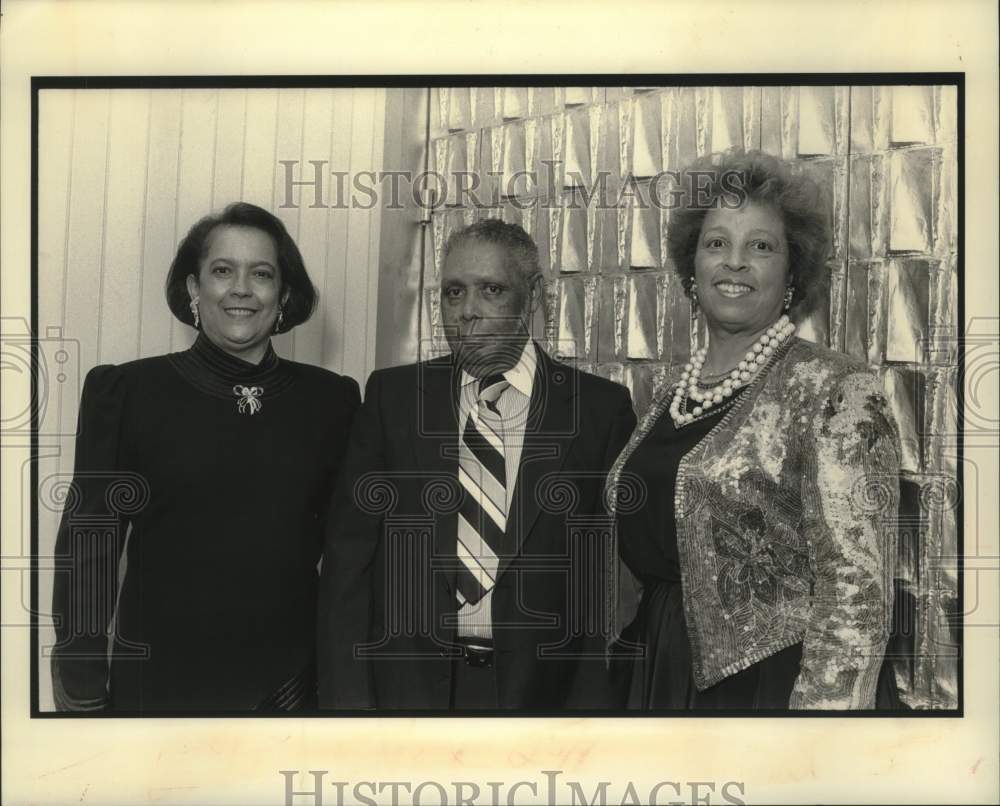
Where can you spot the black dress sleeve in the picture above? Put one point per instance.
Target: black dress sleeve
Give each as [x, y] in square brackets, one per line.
[348, 403]
[89, 545]
[345, 582]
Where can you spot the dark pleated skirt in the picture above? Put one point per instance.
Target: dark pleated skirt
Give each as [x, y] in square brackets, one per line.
[664, 680]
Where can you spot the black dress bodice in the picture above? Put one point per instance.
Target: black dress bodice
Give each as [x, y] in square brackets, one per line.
[230, 466]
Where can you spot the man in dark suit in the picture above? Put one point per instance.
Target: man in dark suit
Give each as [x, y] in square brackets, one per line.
[466, 561]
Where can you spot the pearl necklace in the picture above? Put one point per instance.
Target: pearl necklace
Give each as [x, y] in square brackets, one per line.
[755, 358]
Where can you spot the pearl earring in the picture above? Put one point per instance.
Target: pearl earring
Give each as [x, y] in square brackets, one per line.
[194, 312]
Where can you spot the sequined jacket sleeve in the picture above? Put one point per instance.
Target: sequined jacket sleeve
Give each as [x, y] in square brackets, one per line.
[850, 494]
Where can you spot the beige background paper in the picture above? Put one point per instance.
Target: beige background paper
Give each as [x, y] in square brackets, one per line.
[203, 761]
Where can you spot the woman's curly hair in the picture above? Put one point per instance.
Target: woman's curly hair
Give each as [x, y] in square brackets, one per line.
[735, 177]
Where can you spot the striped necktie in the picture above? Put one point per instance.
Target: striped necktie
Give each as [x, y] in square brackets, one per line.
[482, 473]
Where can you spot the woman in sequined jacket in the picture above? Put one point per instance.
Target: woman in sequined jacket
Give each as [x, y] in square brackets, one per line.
[756, 500]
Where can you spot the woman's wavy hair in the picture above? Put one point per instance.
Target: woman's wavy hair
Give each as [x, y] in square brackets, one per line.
[302, 295]
[735, 177]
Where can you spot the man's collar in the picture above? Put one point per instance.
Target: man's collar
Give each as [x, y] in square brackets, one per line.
[521, 376]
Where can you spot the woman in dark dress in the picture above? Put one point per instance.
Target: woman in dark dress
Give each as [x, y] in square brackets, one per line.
[217, 463]
[765, 545]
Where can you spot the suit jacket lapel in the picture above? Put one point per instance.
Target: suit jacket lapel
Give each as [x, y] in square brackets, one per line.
[549, 433]
[435, 442]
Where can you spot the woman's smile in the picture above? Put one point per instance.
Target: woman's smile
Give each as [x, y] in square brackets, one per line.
[732, 288]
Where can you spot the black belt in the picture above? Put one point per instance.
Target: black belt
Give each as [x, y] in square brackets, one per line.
[476, 652]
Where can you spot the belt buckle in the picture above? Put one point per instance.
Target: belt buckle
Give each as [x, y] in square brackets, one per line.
[478, 656]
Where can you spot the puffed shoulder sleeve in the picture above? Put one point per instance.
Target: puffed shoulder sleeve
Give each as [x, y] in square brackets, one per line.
[344, 401]
[851, 497]
[89, 544]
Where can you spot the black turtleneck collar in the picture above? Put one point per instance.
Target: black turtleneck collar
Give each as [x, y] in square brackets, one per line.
[211, 369]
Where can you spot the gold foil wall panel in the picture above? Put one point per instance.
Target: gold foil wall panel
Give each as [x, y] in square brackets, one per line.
[876, 312]
[576, 130]
[912, 112]
[862, 123]
[641, 328]
[830, 176]
[611, 317]
[644, 231]
[905, 389]
[674, 331]
[908, 298]
[752, 117]
[575, 334]
[647, 156]
[578, 96]
[443, 224]
[541, 101]
[945, 114]
[942, 426]
[816, 122]
[816, 326]
[856, 311]
[514, 161]
[770, 120]
[605, 239]
[944, 314]
[946, 201]
[572, 333]
[513, 102]
[911, 185]
[435, 343]
[726, 119]
[482, 100]
[788, 122]
[880, 207]
[641, 381]
[680, 129]
[834, 315]
[457, 110]
[859, 213]
[514, 213]
[573, 244]
[885, 160]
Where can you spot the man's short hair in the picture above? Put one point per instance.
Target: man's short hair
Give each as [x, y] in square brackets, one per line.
[515, 241]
